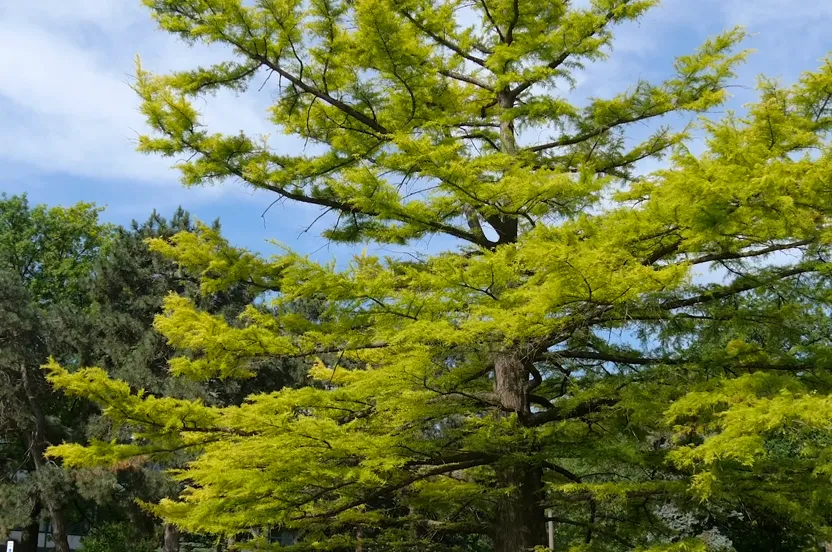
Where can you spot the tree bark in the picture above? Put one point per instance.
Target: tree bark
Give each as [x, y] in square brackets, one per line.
[506, 226]
[172, 538]
[60, 532]
[511, 385]
[29, 538]
[521, 519]
[359, 540]
[38, 445]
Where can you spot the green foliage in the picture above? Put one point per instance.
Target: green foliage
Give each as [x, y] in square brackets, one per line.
[46, 256]
[117, 537]
[130, 285]
[561, 354]
[85, 293]
[51, 250]
[688, 545]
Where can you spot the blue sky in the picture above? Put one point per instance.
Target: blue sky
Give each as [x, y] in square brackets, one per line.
[69, 119]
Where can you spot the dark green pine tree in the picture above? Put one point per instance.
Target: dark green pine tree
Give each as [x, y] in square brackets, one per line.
[128, 290]
[127, 293]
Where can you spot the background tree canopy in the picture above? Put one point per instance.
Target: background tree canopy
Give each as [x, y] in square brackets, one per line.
[563, 356]
[46, 256]
[86, 293]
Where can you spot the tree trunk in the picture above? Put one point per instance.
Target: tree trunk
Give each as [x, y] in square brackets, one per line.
[521, 520]
[172, 537]
[60, 533]
[414, 527]
[511, 383]
[359, 540]
[29, 538]
[38, 445]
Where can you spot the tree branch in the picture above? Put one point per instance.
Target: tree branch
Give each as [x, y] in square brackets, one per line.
[609, 357]
[735, 288]
[443, 41]
[579, 138]
[754, 253]
[580, 411]
[558, 61]
[387, 489]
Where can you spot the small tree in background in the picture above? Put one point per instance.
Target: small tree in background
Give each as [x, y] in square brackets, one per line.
[46, 256]
[117, 537]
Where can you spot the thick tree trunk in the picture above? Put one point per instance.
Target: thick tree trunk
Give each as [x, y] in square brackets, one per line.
[414, 527]
[29, 539]
[172, 538]
[511, 384]
[521, 521]
[60, 532]
[38, 445]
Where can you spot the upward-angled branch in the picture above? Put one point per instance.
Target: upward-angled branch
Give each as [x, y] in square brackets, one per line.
[393, 487]
[673, 247]
[557, 415]
[558, 61]
[727, 256]
[296, 80]
[339, 205]
[610, 357]
[490, 18]
[455, 48]
[515, 6]
[599, 130]
[320, 94]
[466, 78]
[745, 284]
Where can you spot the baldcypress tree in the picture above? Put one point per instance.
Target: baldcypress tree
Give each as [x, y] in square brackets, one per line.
[561, 356]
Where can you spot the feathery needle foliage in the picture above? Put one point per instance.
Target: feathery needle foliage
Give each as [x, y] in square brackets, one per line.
[561, 354]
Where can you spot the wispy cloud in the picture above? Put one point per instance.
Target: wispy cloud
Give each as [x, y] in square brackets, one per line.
[65, 99]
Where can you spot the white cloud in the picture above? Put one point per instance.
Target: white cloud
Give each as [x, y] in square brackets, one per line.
[764, 12]
[65, 99]
[65, 64]
[115, 16]
[63, 111]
